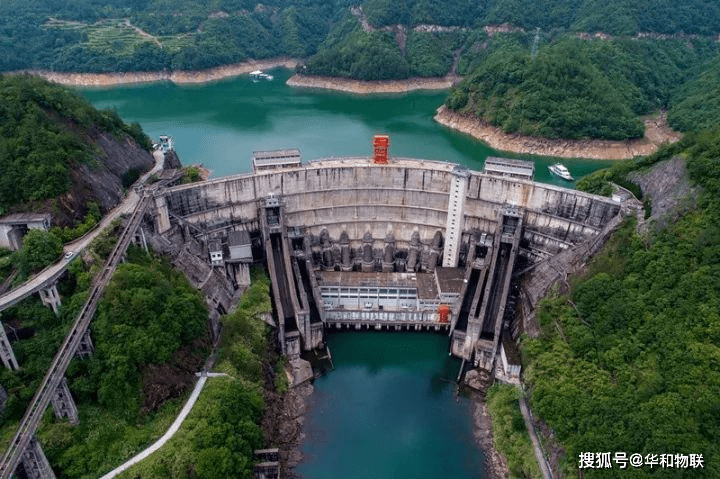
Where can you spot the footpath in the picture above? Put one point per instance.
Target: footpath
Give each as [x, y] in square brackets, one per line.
[171, 431]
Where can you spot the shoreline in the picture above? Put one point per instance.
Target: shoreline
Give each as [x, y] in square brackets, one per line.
[180, 77]
[495, 464]
[364, 87]
[656, 133]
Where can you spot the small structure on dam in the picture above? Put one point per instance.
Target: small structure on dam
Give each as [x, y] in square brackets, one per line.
[404, 244]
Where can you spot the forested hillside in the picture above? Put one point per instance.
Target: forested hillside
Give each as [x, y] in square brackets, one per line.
[629, 359]
[574, 88]
[140, 35]
[549, 82]
[617, 17]
[45, 132]
[697, 104]
[144, 35]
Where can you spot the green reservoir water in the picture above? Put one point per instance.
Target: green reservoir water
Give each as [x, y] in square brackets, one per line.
[220, 124]
[389, 411]
[385, 411]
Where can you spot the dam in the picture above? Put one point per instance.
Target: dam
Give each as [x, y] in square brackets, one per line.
[385, 243]
[365, 243]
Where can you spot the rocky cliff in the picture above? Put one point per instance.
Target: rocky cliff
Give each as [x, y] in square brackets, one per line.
[667, 187]
[58, 152]
[116, 160]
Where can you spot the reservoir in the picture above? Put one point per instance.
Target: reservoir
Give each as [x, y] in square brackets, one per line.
[220, 124]
[389, 409]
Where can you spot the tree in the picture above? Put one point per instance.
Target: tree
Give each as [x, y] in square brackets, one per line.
[40, 249]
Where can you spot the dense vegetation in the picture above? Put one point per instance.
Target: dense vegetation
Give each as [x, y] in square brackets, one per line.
[44, 132]
[629, 360]
[149, 319]
[218, 437]
[546, 84]
[697, 105]
[348, 51]
[510, 435]
[365, 56]
[617, 17]
[81, 35]
[36, 333]
[39, 249]
[575, 89]
[150, 326]
[176, 34]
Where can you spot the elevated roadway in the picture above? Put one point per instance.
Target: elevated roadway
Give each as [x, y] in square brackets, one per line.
[136, 204]
[56, 372]
[49, 275]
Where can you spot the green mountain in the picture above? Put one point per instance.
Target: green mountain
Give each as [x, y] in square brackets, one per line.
[52, 141]
[574, 88]
[627, 359]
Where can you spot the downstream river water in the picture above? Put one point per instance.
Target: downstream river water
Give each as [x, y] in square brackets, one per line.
[386, 411]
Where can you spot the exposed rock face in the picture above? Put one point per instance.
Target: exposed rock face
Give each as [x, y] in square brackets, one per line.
[179, 77]
[300, 371]
[162, 382]
[101, 182]
[667, 185]
[365, 87]
[656, 133]
[478, 379]
[171, 161]
[283, 421]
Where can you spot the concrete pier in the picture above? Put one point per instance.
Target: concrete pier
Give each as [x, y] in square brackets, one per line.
[85, 348]
[6, 352]
[51, 298]
[35, 463]
[63, 403]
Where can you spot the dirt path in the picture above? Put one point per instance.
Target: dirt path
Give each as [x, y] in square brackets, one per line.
[656, 133]
[143, 33]
[544, 467]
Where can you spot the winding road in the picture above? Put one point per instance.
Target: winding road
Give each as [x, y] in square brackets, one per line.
[47, 276]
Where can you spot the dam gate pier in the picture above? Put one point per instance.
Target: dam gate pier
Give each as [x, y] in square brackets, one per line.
[406, 244]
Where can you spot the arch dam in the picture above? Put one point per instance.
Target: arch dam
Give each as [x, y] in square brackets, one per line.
[410, 244]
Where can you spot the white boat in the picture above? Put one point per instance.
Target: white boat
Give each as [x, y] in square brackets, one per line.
[258, 75]
[560, 170]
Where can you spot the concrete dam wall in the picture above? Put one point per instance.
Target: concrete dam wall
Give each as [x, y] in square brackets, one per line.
[357, 196]
[453, 234]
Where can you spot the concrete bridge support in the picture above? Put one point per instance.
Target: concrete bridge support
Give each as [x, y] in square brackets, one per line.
[63, 403]
[51, 298]
[6, 353]
[85, 348]
[140, 239]
[35, 463]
